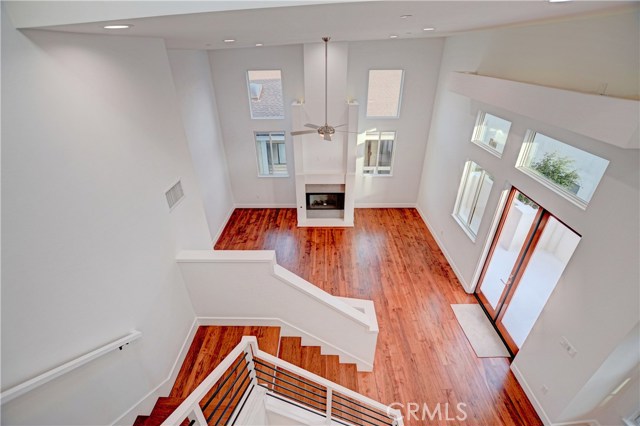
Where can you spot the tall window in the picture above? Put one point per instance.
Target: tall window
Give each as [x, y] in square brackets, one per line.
[473, 194]
[272, 157]
[567, 170]
[265, 94]
[491, 133]
[378, 153]
[383, 94]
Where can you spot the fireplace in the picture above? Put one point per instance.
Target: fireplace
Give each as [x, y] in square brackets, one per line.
[325, 201]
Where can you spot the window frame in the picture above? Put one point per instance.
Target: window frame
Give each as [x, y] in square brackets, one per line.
[466, 225]
[478, 129]
[270, 143]
[400, 95]
[523, 164]
[248, 82]
[393, 154]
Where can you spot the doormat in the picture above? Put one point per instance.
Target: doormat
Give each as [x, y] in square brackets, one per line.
[479, 331]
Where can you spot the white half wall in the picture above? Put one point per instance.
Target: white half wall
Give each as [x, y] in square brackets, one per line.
[229, 69]
[596, 302]
[192, 77]
[91, 140]
[246, 287]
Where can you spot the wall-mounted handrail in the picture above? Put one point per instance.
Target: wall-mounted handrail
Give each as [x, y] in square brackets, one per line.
[47, 376]
[190, 407]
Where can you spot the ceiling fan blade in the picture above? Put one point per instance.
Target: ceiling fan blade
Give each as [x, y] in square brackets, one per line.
[303, 132]
[313, 126]
[345, 131]
[340, 125]
[327, 137]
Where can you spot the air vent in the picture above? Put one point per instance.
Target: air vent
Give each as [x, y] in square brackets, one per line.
[174, 195]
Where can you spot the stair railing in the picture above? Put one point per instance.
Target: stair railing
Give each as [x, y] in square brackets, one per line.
[219, 399]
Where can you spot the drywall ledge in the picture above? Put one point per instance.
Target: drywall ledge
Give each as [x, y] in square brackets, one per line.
[248, 287]
[604, 118]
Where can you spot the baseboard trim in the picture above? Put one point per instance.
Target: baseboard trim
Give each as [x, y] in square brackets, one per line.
[385, 205]
[288, 329]
[452, 263]
[266, 206]
[538, 407]
[215, 238]
[532, 397]
[146, 403]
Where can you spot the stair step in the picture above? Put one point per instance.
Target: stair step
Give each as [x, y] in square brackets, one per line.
[161, 410]
[140, 420]
[311, 359]
[211, 345]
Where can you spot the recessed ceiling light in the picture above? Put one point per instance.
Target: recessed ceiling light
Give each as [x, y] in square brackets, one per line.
[117, 27]
[393, 36]
[428, 29]
[229, 40]
[405, 16]
[258, 44]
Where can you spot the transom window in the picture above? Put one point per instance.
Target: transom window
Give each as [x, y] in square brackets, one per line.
[378, 153]
[475, 187]
[491, 133]
[265, 94]
[272, 156]
[567, 170]
[384, 92]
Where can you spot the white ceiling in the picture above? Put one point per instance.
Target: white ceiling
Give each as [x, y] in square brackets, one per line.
[346, 21]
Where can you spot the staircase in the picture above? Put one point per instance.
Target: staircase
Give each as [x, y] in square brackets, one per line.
[212, 344]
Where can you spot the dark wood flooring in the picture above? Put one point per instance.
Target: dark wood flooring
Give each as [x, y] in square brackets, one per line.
[391, 258]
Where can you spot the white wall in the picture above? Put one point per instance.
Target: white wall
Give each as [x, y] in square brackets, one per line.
[595, 303]
[92, 139]
[229, 68]
[192, 77]
[420, 60]
[321, 156]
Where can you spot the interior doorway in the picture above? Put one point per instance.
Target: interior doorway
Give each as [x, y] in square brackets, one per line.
[528, 254]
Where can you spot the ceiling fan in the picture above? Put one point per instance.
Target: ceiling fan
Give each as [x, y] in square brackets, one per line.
[324, 131]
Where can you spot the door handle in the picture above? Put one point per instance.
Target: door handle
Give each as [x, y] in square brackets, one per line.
[506, 283]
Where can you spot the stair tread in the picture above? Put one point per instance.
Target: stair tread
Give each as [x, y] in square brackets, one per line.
[211, 344]
[311, 359]
[140, 420]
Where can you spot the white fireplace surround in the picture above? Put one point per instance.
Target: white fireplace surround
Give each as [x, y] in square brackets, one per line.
[308, 150]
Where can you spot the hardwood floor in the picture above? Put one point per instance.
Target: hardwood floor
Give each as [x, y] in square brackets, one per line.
[391, 258]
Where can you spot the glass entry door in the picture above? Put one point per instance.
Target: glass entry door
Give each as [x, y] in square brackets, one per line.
[527, 257]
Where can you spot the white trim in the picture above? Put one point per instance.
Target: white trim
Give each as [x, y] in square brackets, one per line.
[216, 237]
[532, 397]
[288, 329]
[281, 274]
[184, 349]
[365, 306]
[493, 228]
[49, 375]
[146, 403]
[266, 206]
[465, 228]
[385, 117]
[385, 205]
[453, 265]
